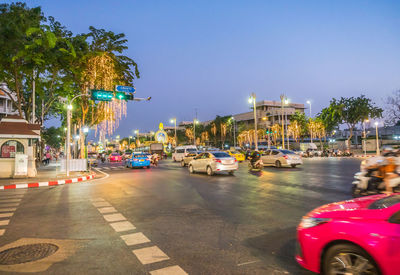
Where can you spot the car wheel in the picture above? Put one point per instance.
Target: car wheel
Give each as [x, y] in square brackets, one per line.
[148, 167]
[278, 164]
[293, 165]
[210, 172]
[348, 259]
[183, 163]
[191, 170]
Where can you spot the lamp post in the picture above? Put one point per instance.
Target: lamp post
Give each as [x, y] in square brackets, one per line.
[174, 121]
[137, 136]
[282, 119]
[309, 103]
[267, 127]
[129, 142]
[195, 121]
[377, 139]
[234, 131]
[311, 132]
[85, 132]
[286, 123]
[252, 99]
[364, 143]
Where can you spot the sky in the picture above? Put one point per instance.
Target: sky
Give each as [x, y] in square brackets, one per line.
[210, 55]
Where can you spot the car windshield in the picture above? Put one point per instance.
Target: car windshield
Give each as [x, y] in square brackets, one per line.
[221, 155]
[114, 155]
[140, 156]
[287, 152]
[235, 152]
[385, 202]
[191, 150]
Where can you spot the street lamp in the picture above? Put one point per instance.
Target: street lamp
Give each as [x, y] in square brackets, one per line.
[286, 123]
[129, 142]
[309, 103]
[234, 131]
[195, 121]
[377, 139]
[282, 113]
[364, 144]
[85, 132]
[174, 121]
[252, 99]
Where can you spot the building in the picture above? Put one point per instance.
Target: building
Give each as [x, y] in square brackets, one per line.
[270, 113]
[6, 107]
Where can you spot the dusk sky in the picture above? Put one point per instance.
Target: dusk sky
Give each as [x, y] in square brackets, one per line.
[210, 55]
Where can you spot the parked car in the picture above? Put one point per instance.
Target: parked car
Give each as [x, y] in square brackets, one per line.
[114, 157]
[236, 154]
[181, 151]
[212, 162]
[280, 157]
[138, 160]
[359, 236]
[188, 158]
[310, 152]
[93, 159]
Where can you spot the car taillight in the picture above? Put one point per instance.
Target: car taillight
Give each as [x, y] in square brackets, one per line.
[285, 157]
[135, 159]
[235, 160]
[218, 160]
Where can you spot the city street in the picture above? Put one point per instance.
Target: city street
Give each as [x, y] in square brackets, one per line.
[134, 221]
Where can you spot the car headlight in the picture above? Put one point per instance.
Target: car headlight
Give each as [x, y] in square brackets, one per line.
[308, 222]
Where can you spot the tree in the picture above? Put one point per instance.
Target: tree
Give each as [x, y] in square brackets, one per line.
[393, 108]
[294, 130]
[53, 137]
[301, 122]
[350, 111]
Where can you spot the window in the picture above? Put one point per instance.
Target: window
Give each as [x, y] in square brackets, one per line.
[10, 148]
[385, 202]
[287, 152]
[180, 151]
[395, 218]
[221, 155]
[274, 153]
[266, 153]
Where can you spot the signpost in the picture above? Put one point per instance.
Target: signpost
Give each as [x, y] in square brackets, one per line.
[126, 89]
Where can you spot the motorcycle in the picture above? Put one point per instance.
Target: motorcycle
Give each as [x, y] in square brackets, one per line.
[256, 166]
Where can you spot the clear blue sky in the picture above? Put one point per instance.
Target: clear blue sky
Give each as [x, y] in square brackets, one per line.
[211, 55]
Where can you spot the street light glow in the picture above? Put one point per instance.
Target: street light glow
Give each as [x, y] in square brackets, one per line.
[308, 102]
[376, 123]
[69, 107]
[86, 130]
[251, 99]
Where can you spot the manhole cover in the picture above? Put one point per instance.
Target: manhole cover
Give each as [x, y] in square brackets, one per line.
[27, 253]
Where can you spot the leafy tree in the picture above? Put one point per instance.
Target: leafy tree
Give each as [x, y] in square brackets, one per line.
[301, 121]
[393, 108]
[54, 137]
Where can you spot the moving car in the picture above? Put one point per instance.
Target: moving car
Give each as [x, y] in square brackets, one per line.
[280, 157]
[188, 158]
[138, 160]
[127, 154]
[93, 159]
[212, 162]
[181, 151]
[236, 154]
[360, 236]
[114, 157]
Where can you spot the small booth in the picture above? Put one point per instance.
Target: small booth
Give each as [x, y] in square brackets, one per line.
[18, 140]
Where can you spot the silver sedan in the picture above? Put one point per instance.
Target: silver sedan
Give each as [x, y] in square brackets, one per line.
[279, 157]
[212, 162]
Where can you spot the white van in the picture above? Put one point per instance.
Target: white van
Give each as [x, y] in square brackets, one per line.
[181, 151]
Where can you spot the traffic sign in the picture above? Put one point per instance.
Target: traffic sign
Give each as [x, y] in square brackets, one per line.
[126, 89]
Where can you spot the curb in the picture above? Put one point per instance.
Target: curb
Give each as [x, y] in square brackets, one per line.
[46, 183]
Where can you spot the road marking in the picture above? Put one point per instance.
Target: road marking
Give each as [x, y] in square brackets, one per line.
[4, 222]
[7, 209]
[114, 217]
[171, 270]
[106, 210]
[122, 226]
[105, 168]
[101, 204]
[135, 238]
[9, 205]
[6, 215]
[2, 231]
[12, 200]
[149, 255]
[246, 263]
[97, 199]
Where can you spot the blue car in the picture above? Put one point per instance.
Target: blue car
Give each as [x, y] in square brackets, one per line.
[138, 160]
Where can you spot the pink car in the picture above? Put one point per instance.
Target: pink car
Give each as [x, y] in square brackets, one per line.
[360, 236]
[115, 157]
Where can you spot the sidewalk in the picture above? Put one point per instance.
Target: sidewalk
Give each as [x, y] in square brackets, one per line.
[47, 173]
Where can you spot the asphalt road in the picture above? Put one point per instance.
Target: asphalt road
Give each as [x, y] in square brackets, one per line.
[135, 221]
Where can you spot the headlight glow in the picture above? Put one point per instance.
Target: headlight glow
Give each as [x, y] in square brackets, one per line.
[308, 222]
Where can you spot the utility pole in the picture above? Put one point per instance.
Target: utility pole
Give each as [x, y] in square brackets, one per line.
[253, 100]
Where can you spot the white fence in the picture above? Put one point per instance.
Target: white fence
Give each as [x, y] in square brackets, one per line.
[74, 165]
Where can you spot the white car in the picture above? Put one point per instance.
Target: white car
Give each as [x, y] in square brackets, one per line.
[182, 151]
[280, 157]
[212, 162]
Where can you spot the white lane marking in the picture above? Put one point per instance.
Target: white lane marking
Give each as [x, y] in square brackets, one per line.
[101, 204]
[7, 209]
[9, 205]
[11, 200]
[150, 255]
[106, 168]
[114, 217]
[104, 173]
[246, 263]
[135, 238]
[97, 199]
[122, 226]
[171, 270]
[4, 222]
[6, 215]
[16, 196]
[106, 210]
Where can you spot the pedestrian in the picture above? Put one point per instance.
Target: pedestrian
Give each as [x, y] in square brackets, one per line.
[48, 157]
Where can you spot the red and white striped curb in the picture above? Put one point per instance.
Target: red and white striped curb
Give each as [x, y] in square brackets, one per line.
[46, 183]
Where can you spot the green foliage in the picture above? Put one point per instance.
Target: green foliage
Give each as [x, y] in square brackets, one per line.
[302, 122]
[54, 137]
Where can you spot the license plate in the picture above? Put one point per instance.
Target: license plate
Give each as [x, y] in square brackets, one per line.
[228, 162]
[141, 160]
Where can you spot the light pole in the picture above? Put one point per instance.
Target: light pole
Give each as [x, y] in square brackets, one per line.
[137, 136]
[174, 121]
[267, 127]
[364, 143]
[377, 139]
[85, 132]
[282, 118]
[309, 103]
[195, 121]
[129, 142]
[234, 132]
[286, 123]
[252, 99]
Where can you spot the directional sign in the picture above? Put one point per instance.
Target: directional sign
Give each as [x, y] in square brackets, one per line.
[126, 89]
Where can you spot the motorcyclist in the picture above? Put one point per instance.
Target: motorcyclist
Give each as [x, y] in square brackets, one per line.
[390, 169]
[254, 158]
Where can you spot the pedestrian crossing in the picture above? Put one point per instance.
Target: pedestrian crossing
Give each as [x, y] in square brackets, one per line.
[109, 168]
